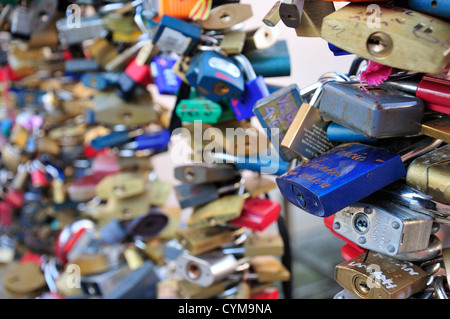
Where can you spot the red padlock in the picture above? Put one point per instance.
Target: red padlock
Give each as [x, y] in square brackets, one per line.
[6, 214]
[267, 293]
[30, 256]
[14, 197]
[434, 89]
[139, 73]
[257, 214]
[38, 175]
[350, 249]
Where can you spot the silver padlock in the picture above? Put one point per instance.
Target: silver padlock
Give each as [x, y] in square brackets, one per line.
[21, 22]
[102, 284]
[206, 269]
[89, 28]
[384, 227]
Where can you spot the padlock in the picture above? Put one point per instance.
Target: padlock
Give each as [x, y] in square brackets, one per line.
[255, 89]
[405, 230]
[267, 293]
[125, 57]
[274, 165]
[439, 9]
[233, 42]
[91, 264]
[102, 284]
[267, 268]
[176, 35]
[200, 173]
[139, 284]
[272, 17]
[429, 174]
[154, 141]
[291, 12]
[258, 244]
[189, 290]
[148, 225]
[214, 76]
[433, 89]
[306, 136]
[202, 240]
[136, 73]
[90, 28]
[121, 185]
[80, 65]
[277, 111]
[257, 214]
[83, 189]
[402, 28]
[333, 176]
[99, 80]
[190, 195]
[261, 38]
[339, 133]
[375, 114]
[217, 212]
[376, 276]
[6, 214]
[155, 9]
[206, 269]
[24, 279]
[227, 15]
[21, 22]
[438, 128]
[312, 17]
[102, 51]
[199, 109]
[111, 109]
[164, 77]
[402, 194]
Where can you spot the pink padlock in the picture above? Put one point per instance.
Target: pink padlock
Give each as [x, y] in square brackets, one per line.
[14, 197]
[6, 214]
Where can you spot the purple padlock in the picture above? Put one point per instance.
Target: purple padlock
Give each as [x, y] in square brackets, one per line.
[255, 89]
[165, 78]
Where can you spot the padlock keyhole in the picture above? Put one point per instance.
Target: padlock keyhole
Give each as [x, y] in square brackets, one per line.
[379, 44]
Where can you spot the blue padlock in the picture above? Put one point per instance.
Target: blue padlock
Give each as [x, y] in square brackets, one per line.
[99, 81]
[112, 139]
[255, 89]
[340, 177]
[155, 141]
[273, 166]
[338, 133]
[164, 77]
[176, 35]
[336, 50]
[435, 8]
[215, 77]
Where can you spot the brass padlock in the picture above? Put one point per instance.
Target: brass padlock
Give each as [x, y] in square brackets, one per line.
[120, 185]
[398, 30]
[217, 212]
[226, 16]
[201, 240]
[376, 276]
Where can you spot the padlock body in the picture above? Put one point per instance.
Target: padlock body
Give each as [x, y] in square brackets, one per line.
[434, 89]
[384, 227]
[254, 90]
[339, 178]
[430, 174]
[375, 114]
[215, 77]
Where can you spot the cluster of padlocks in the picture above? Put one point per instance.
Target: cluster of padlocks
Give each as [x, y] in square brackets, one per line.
[372, 144]
[84, 214]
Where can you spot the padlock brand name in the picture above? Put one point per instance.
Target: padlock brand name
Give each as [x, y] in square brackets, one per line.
[332, 171]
